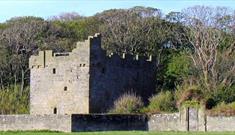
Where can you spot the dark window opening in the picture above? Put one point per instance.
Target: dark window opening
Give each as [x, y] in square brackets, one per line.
[55, 111]
[82, 65]
[61, 54]
[54, 71]
[137, 75]
[103, 70]
[65, 88]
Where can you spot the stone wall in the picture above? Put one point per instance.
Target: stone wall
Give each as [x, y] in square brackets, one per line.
[190, 119]
[108, 122]
[112, 75]
[73, 123]
[35, 122]
[114, 122]
[220, 123]
[166, 122]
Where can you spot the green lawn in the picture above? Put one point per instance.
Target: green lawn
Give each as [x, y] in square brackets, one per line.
[118, 133]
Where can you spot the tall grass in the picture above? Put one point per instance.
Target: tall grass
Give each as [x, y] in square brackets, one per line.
[162, 102]
[12, 101]
[127, 103]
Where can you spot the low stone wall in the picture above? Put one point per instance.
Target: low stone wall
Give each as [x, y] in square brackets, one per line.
[108, 122]
[35, 122]
[166, 122]
[114, 122]
[220, 123]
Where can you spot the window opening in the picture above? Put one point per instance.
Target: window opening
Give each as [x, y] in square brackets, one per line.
[103, 70]
[54, 71]
[55, 110]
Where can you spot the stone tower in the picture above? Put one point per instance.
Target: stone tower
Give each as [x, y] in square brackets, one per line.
[86, 80]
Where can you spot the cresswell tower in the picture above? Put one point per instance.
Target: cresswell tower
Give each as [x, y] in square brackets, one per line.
[86, 80]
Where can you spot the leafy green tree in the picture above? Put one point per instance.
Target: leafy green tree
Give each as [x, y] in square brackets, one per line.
[178, 68]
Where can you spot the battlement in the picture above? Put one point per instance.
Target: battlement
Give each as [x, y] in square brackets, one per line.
[126, 56]
[88, 41]
[82, 49]
[40, 60]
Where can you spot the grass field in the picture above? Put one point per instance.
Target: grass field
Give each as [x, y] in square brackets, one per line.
[118, 133]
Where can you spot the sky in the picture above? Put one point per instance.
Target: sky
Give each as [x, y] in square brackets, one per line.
[48, 8]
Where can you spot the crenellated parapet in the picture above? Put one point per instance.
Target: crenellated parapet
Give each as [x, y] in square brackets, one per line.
[39, 61]
[133, 57]
[82, 53]
[130, 61]
[45, 56]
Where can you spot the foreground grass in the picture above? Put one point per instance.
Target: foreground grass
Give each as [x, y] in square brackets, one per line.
[117, 133]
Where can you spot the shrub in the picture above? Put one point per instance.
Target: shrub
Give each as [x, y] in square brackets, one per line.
[162, 102]
[127, 103]
[191, 103]
[187, 94]
[224, 94]
[223, 109]
[221, 94]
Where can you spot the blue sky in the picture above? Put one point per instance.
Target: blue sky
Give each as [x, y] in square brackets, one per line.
[48, 8]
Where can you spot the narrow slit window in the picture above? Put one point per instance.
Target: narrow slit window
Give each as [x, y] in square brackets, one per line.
[54, 71]
[55, 110]
[65, 88]
[103, 70]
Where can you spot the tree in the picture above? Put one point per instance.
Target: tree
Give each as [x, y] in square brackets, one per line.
[3, 66]
[130, 31]
[206, 39]
[64, 17]
[21, 41]
[175, 17]
[216, 17]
